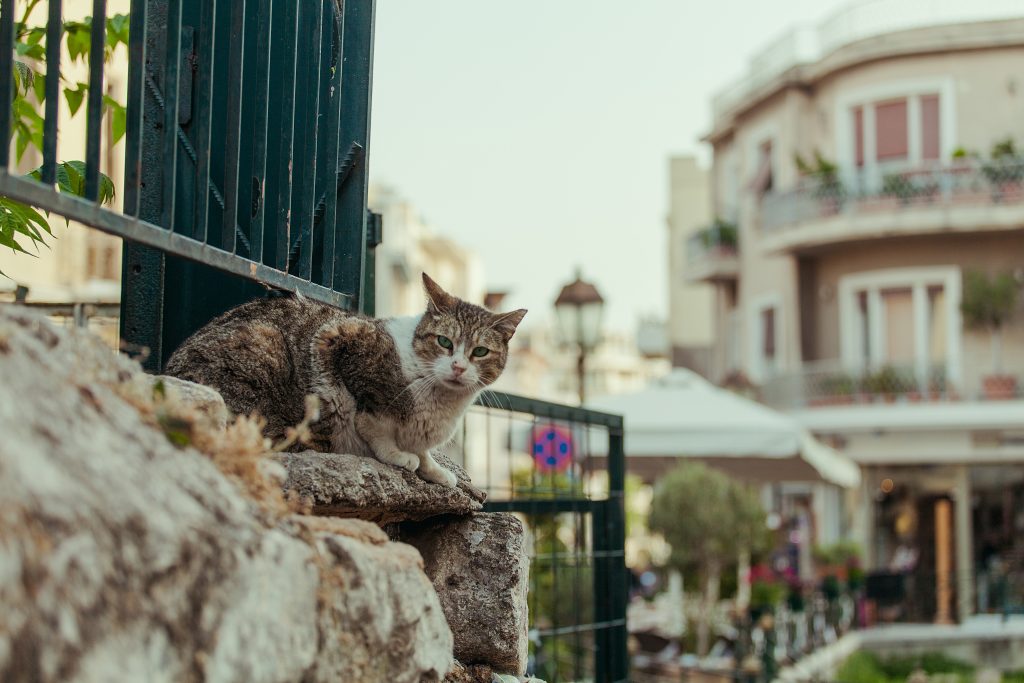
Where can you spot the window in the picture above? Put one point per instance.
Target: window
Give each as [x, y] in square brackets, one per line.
[902, 129]
[762, 181]
[768, 335]
[766, 342]
[891, 130]
[906, 318]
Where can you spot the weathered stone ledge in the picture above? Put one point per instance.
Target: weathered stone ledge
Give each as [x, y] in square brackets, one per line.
[365, 488]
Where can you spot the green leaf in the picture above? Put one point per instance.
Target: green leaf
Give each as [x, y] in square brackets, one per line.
[23, 78]
[39, 86]
[29, 213]
[31, 51]
[118, 116]
[117, 30]
[75, 97]
[78, 38]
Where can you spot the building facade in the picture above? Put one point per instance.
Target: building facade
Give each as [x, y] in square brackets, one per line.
[411, 247]
[867, 198]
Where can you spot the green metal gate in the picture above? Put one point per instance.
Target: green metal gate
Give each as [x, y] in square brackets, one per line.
[246, 171]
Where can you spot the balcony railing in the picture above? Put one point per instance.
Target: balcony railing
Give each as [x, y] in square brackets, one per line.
[712, 252]
[964, 183]
[829, 383]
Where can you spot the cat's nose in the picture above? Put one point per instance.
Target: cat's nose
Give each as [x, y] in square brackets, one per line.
[457, 369]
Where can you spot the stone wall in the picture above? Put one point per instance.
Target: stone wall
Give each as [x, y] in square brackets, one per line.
[147, 536]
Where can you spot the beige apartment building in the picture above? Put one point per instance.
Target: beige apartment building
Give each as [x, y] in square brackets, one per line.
[868, 171]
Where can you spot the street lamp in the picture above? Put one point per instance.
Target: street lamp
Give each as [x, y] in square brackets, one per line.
[579, 308]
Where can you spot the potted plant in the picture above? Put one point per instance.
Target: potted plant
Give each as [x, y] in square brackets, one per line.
[887, 384]
[824, 174]
[987, 304]
[1004, 170]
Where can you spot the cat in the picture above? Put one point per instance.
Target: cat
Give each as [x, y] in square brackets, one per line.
[393, 388]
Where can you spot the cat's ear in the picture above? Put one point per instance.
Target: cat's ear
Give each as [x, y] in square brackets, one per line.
[437, 299]
[506, 323]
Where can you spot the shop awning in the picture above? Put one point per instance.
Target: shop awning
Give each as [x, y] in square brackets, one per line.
[683, 415]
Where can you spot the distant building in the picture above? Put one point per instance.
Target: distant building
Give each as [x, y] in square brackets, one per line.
[540, 366]
[691, 335]
[81, 264]
[412, 247]
[862, 169]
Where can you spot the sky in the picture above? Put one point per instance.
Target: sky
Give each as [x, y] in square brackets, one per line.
[538, 132]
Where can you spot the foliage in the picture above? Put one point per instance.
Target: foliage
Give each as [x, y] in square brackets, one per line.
[889, 380]
[767, 594]
[825, 175]
[988, 302]
[1004, 149]
[838, 385]
[867, 667]
[721, 233]
[707, 517]
[17, 220]
[839, 553]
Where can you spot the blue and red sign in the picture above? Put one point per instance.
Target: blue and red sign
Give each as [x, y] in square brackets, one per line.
[552, 448]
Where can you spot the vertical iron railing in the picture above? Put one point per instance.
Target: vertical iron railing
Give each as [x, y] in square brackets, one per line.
[561, 469]
[245, 164]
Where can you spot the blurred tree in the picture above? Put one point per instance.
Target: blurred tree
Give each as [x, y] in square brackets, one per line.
[710, 521]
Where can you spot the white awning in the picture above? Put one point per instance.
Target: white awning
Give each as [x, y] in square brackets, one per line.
[683, 415]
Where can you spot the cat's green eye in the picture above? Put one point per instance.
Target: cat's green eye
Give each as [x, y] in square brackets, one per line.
[445, 342]
[480, 352]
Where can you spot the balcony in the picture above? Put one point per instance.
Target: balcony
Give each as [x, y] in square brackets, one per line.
[967, 196]
[830, 384]
[712, 254]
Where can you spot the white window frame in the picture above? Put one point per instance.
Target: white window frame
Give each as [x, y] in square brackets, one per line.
[918, 279]
[912, 90]
[759, 370]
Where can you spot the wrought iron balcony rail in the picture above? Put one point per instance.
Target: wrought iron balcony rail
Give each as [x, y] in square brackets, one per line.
[964, 183]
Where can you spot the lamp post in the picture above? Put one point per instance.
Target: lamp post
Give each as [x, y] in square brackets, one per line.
[579, 309]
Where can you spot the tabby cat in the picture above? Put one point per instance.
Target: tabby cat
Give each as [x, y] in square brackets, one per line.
[390, 388]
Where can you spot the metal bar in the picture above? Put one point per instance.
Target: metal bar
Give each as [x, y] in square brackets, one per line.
[286, 160]
[261, 97]
[203, 117]
[556, 411]
[603, 610]
[236, 67]
[94, 115]
[617, 574]
[350, 222]
[54, 34]
[134, 123]
[543, 506]
[172, 65]
[308, 80]
[6, 78]
[141, 232]
[330, 105]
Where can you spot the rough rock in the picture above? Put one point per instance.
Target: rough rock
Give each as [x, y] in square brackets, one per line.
[202, 398]
[475, 673]
[368, 489]
[480, 569]
[125, 558]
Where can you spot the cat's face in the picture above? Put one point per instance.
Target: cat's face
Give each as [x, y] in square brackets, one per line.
[463, 346]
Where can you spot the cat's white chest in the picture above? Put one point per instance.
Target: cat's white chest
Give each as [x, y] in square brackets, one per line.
[431, 424]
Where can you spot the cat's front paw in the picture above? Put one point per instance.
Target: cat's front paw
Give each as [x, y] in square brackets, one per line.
[402, 459]
[439, 475]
